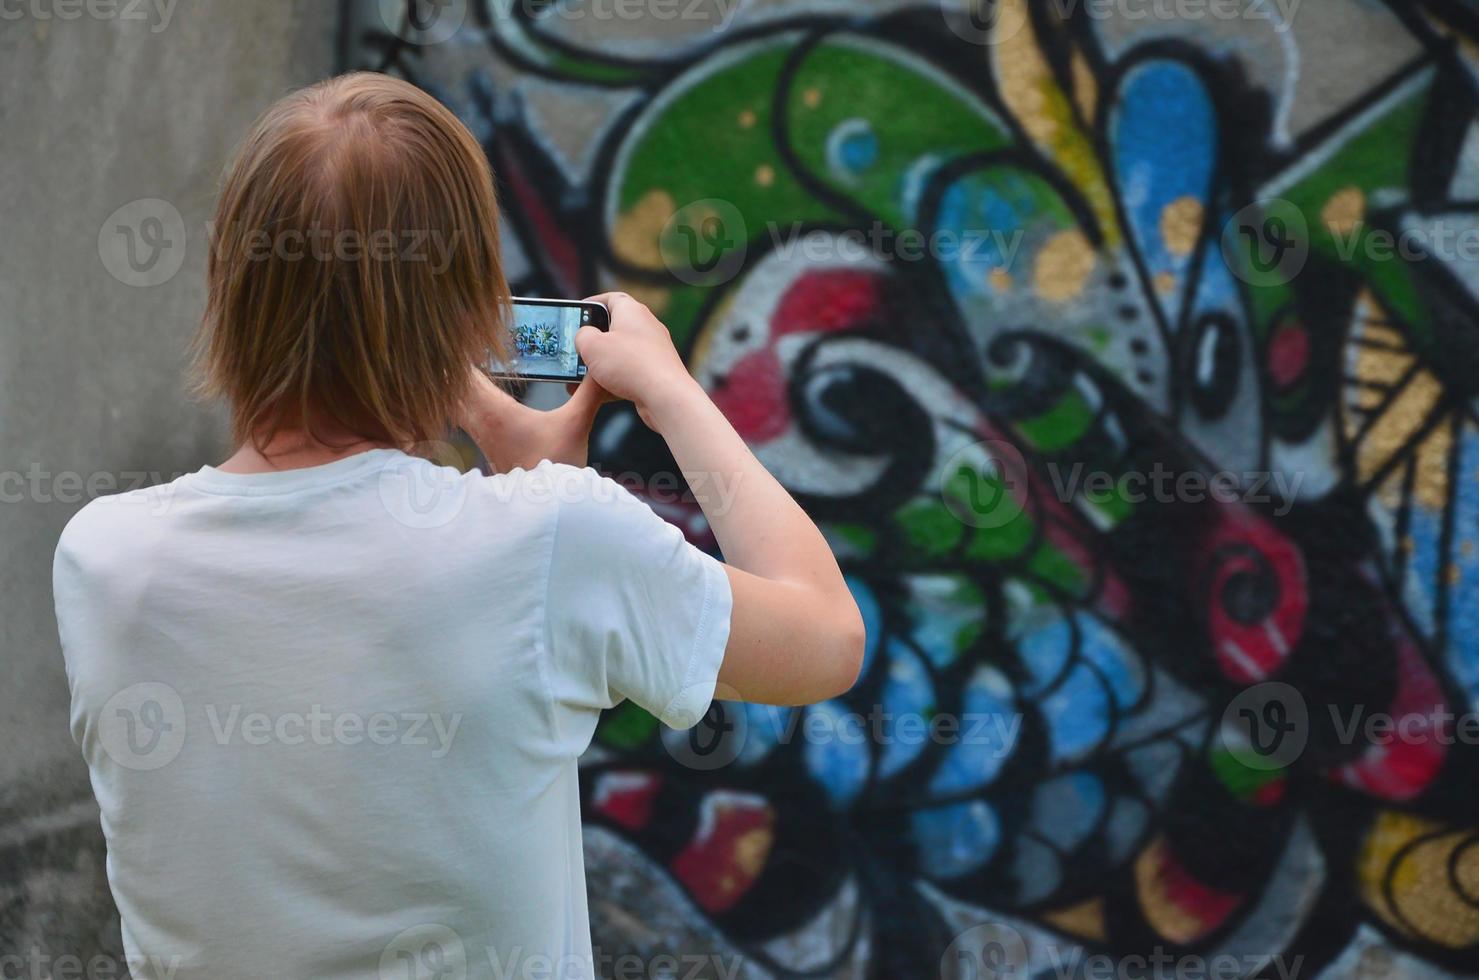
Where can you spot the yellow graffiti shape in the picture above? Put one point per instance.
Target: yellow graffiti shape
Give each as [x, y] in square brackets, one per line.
[1421, 878]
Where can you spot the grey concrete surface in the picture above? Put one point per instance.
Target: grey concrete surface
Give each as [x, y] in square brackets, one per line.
[97, 111]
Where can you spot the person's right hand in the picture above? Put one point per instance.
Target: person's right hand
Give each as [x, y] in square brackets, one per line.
[635, 359]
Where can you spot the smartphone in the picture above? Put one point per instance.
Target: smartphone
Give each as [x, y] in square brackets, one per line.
[541, 343]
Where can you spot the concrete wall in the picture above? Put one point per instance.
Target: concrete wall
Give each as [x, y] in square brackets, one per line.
[98, 112]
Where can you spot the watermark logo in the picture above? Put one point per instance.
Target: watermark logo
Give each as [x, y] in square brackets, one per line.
[995, 951]
[427, 488]
[323, 727]
[984, 484]
[704, 242]
[156, 13]
[47, 963]
[989, 951]
[432, 247]
[1266, 243]
[987, 22]
[880, 243]
[154, 489]
[722, 735]
[142, 727]
[984, 22]
[1162, 485]
[424, 952]
[1266, 727]
[143, 243]
[423, 22]
[716, 13]
[717, 739]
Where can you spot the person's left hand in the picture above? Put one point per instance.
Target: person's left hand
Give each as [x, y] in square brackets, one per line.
[513, 435]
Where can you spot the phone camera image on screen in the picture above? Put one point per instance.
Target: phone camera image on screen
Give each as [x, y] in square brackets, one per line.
[542, 342]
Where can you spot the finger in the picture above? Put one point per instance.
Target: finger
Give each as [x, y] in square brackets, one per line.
[587, 397]
[578, 415]
[571, 387]
[613, 301]
[607, 298]
[587, 339]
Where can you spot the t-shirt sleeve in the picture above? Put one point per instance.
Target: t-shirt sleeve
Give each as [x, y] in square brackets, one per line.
[634, 611]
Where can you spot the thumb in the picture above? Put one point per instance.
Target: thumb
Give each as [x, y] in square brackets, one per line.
[586, 398]
[587, 340]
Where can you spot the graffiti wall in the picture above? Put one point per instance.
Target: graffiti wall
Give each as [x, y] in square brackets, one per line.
[1127, 353]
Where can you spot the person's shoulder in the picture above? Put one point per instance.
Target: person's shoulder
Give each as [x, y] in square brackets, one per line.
[114, 524]
[561, 485]
[115, 512]
[584, 505]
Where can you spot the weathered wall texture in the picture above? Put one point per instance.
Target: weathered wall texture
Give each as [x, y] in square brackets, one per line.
[97, 112]
[1142, 250]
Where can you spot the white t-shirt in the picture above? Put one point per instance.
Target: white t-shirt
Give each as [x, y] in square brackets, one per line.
[332, 715]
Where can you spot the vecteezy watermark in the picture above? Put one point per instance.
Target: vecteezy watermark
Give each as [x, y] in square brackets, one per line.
[703, 243]
[424, 952]
[143, 243]
[1279, 14]
[997, 951]
[989, 22]
[1266, 727]
[881, 243]
[423, 21]
[432, 951]
[1163, 485]
[984, 484]
[430, 246]
[425, 489]
[144, 727]
[1452, 239]
[720, 737]
[37, 963]
[1268, 242]
[715, 13]
[38, 485]
[156, 13]
[1269, 726]
[984, 22]
[714, 490]
[989, 951]
[320, 726]
[428, 488]
[1079, 964]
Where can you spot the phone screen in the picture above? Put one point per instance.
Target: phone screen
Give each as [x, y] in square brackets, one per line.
[541, 343]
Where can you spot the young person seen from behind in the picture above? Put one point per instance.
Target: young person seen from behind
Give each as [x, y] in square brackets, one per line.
[332, 723]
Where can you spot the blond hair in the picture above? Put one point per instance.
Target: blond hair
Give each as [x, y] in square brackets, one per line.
[354, 272]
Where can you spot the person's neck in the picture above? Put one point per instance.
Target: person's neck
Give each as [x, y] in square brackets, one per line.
[296, 449]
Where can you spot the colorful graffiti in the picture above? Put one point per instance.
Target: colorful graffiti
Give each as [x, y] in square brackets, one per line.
[1169, 255]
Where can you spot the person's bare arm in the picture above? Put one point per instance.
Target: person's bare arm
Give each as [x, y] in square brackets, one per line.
[796, 635]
